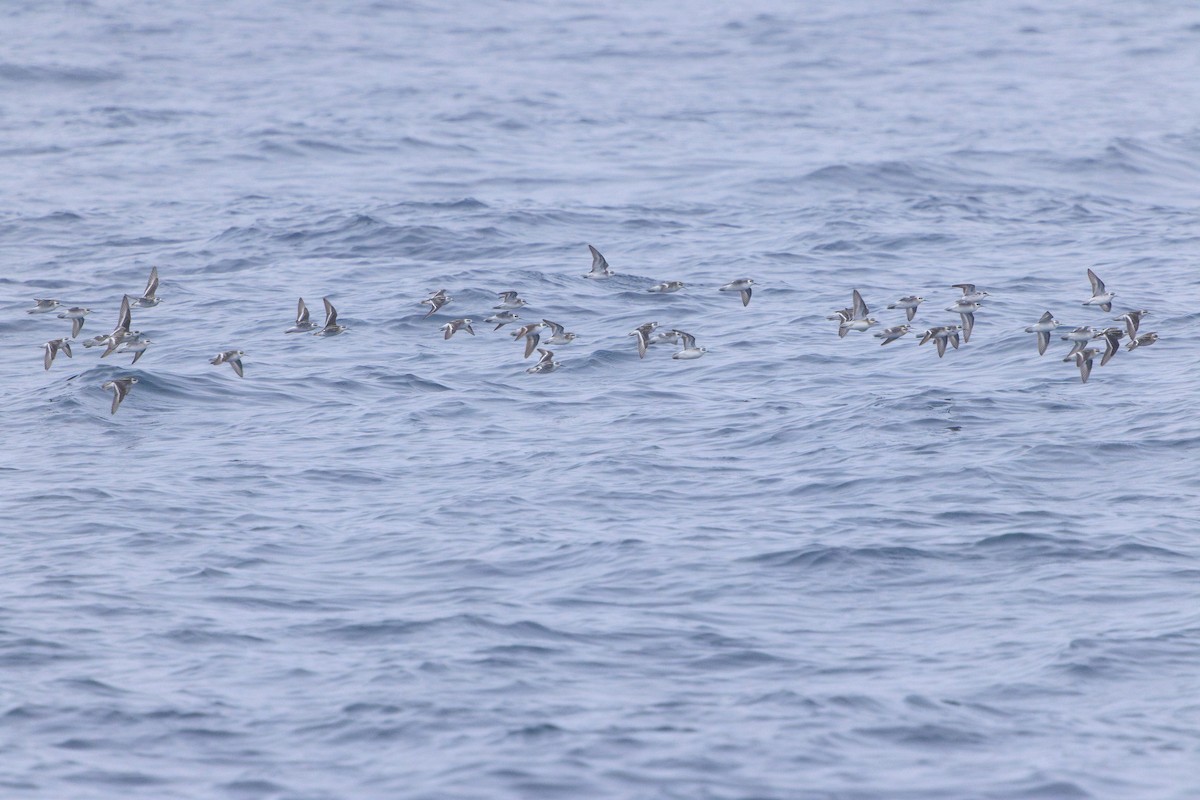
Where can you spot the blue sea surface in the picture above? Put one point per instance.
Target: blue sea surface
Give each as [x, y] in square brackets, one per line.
[389, 565]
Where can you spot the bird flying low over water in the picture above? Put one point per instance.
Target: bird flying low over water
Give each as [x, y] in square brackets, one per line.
[231, 357]
[860, 318]
[1100, 296]
[966, 310]
[690, 350]
[909, 304]
[941, 335]
[435, 301]
[1145, 340]
[119, 333]
[890, 335]
[1083, 360]
[502, 318]
[331, 327]
[42, 306]
[546, 364]
[969, 293]
[531, 333]
[1112, 342]
[599, 265]
[76, 316]
[558, 334]
[120, 388]
[149, 298]
[742, 286]
[52, 347]
[1132, 320]
[1043, 328]
[455, 325]
[642, 332]
[509, 300]
[303, 323]
[1080, 336]
[136, 344]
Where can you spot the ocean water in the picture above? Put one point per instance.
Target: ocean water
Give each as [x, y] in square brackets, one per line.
[388, 565]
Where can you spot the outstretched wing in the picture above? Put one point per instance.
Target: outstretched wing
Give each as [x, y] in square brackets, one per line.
[860, 308]
[599, 265]
[152, 284]
[125, 321]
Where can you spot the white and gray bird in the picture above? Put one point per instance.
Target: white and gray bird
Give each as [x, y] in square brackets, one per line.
[1132, 320]
[136, 344]
[435, 301]
[509, 300]
[599, 265]
[149, 297]
[969, 293]
[856, 318]
[303, 323]
[42, 306]
[662, 337]
[52, 347]
[742, 286]
[331, 327]
[501, 318]
[455, 325]
[690, 350]
[119, 333]
[231, 357]
[545, 364]
[121, 388]
[1043, 328]
[966, 310]
[76, 316]
[1145, 340]
[890, 335]
[531, 333]
[1080, 337]
[909, 304]
[941, 335]
[856, 324]
[642, 332]
[1083, 360]
[667, 287]
[1100, 296]
[558, 334]
[1112, 342]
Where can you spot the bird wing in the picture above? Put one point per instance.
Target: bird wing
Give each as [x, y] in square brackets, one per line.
[125, 320]
[860, 308]
[599, 264]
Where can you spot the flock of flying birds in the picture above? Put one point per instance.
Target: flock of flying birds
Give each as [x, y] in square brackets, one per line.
[855, 318]
[531, 333]
[124, 339]
[858, 318]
